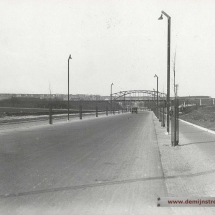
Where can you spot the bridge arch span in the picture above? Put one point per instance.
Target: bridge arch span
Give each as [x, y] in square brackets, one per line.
[138, 95]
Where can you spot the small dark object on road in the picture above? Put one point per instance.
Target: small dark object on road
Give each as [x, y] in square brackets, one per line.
[134, 110]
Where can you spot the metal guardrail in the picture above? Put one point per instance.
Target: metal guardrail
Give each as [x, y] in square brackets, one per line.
[41, 118]
[80, 115]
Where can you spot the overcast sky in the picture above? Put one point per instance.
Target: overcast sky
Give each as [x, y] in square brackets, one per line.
[119, 41]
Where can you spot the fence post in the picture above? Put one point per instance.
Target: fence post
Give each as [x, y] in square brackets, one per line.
[80, 111]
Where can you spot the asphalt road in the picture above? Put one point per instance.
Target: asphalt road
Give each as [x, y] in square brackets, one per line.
[106, 165]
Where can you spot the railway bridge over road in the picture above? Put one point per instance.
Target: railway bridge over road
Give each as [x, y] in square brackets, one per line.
[138, 95]
[146, 98]
[149, 97]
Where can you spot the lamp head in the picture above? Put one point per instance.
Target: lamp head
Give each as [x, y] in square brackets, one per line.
[155, 76]
[70, 56]
[161, 17]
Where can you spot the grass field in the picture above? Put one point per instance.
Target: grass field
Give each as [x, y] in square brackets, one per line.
[32, 106]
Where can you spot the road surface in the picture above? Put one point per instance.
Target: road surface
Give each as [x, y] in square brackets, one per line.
[107, 165]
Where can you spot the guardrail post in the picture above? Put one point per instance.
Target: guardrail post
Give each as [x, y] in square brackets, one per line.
[80, 111]
[113, 111]
[50, 113]
[96, 111]
[106, 111]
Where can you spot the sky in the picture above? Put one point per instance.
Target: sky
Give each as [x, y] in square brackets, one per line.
[110, 41]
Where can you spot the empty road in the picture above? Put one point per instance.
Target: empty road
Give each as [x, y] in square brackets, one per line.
[107, 165]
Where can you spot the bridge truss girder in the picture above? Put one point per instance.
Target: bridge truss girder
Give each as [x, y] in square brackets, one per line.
[138, 95]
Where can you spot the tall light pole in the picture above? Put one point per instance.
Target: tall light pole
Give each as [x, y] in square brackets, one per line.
[168, 65]
[68, 85]
[154, 98]
[157, 95]
[157, 88]
[111, 96]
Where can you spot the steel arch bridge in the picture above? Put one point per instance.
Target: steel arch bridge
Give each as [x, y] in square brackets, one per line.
[138, 95]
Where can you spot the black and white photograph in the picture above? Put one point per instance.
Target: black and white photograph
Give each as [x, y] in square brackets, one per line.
[107, 107]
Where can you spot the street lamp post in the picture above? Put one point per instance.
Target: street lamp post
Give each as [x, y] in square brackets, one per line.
[153, 100]
[157, 94]
[154, 94]
[111, 97]
[68, 85]
[168, 65]
[157, 88]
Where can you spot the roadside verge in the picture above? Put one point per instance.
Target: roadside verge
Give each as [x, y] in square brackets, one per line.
[189, 168]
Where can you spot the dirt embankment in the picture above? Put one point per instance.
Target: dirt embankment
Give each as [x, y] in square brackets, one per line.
[202, 116]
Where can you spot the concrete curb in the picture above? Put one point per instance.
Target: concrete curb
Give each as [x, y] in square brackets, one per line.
[199, 127]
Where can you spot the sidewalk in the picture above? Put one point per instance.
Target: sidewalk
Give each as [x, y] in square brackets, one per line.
[189, 169]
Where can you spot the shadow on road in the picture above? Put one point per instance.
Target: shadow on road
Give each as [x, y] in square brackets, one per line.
[196, 143]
